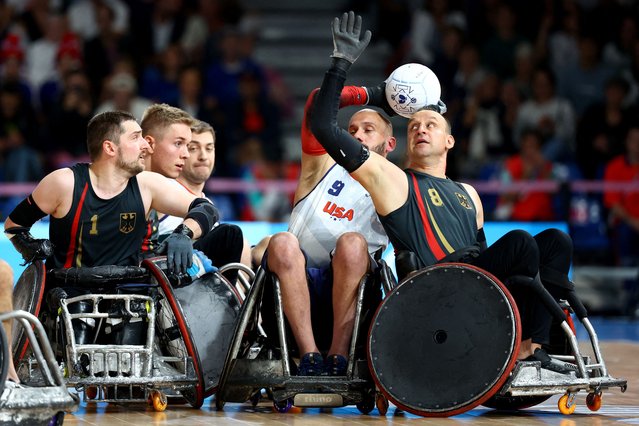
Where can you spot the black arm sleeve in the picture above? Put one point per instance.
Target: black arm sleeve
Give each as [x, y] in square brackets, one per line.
[481, 239]
[340, 145]
[204, 213]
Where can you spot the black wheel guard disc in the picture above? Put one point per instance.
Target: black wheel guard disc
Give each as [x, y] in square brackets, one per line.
[444, 340]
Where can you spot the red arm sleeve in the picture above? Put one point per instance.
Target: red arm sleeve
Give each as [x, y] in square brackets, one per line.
[351, 95]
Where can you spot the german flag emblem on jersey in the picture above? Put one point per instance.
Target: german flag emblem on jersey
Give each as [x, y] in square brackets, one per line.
[463, 200]
[127, 222]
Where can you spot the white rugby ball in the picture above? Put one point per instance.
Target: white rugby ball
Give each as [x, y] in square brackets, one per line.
[410, 87]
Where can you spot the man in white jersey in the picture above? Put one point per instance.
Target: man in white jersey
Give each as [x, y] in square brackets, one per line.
[195, 172]
[167, 130]
[332, 234]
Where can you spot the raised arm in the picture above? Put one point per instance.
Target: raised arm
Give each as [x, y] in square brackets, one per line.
[386, 182]
[315, 160]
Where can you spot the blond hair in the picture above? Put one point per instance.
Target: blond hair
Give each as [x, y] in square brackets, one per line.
[158, 117]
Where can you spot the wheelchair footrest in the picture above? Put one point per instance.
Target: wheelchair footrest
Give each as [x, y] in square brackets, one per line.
[528, 378]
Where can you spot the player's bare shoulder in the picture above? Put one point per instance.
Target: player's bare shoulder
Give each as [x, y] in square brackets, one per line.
[59, 181]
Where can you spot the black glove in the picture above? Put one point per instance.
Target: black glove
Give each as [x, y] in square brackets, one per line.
[30, 248]
[179, 249]
[377, 97]
[346, 37]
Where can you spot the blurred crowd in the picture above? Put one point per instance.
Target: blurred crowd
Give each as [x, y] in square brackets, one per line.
[536, 90]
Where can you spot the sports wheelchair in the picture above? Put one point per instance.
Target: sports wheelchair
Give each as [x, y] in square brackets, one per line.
[262, 349]
[42, 405]
[446, 339]
[131, 334]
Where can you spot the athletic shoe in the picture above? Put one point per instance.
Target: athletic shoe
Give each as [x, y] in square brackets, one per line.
[551, 364]
[311, 364]
[335, 365]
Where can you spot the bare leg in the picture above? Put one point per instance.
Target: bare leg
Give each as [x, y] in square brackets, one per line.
[287, 261]
[257, 252]
[6, 299]
[350, 264]
[527, 348]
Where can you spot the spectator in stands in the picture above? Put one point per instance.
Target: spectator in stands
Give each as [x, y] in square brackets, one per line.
[527, 165]
[581, 83]
[160, 79]
[524, 68]
[41, 54]
[563, 42]
[624, 213]
[157, 24]
[85, 20]
[498, 52]
[469, 75]
[106, 46]
[222, 77]
[255, 116]
[631, 75]
[428, 28]
[482, 121]
[68, 120]
[602, 129]
[122, 96]
[624, 205]
[446, 61]
[33, 18]
[551, 115]
[18, 138]
[619, 50]
[67, 59]
[12, 64]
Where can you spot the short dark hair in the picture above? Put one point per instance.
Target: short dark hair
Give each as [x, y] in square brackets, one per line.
[105, 126]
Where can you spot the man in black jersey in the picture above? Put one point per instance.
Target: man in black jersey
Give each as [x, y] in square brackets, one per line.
[167, 130]
[447, 217]
[99, 210]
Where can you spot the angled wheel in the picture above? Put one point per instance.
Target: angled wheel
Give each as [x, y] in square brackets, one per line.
[367, 404]
[158, 400]
[593, 401]
[381, 402]
[283, 406]
[27, 296]
[91, 392]
[170, 316]
[566, 404]
[57, 419]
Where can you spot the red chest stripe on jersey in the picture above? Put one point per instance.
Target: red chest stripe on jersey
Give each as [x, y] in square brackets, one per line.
[428, 231]
[147, 244]
[74, 228]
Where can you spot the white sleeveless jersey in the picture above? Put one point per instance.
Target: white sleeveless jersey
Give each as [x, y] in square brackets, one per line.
[338, 204]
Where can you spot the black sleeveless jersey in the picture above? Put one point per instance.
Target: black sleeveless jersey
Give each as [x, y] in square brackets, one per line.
[99, 232]
[438, 218]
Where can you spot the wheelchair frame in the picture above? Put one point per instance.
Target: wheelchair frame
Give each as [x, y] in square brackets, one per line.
[248, 368]
[123, 366]
[36, 405]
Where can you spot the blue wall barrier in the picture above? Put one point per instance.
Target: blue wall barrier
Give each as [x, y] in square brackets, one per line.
[255, 231]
